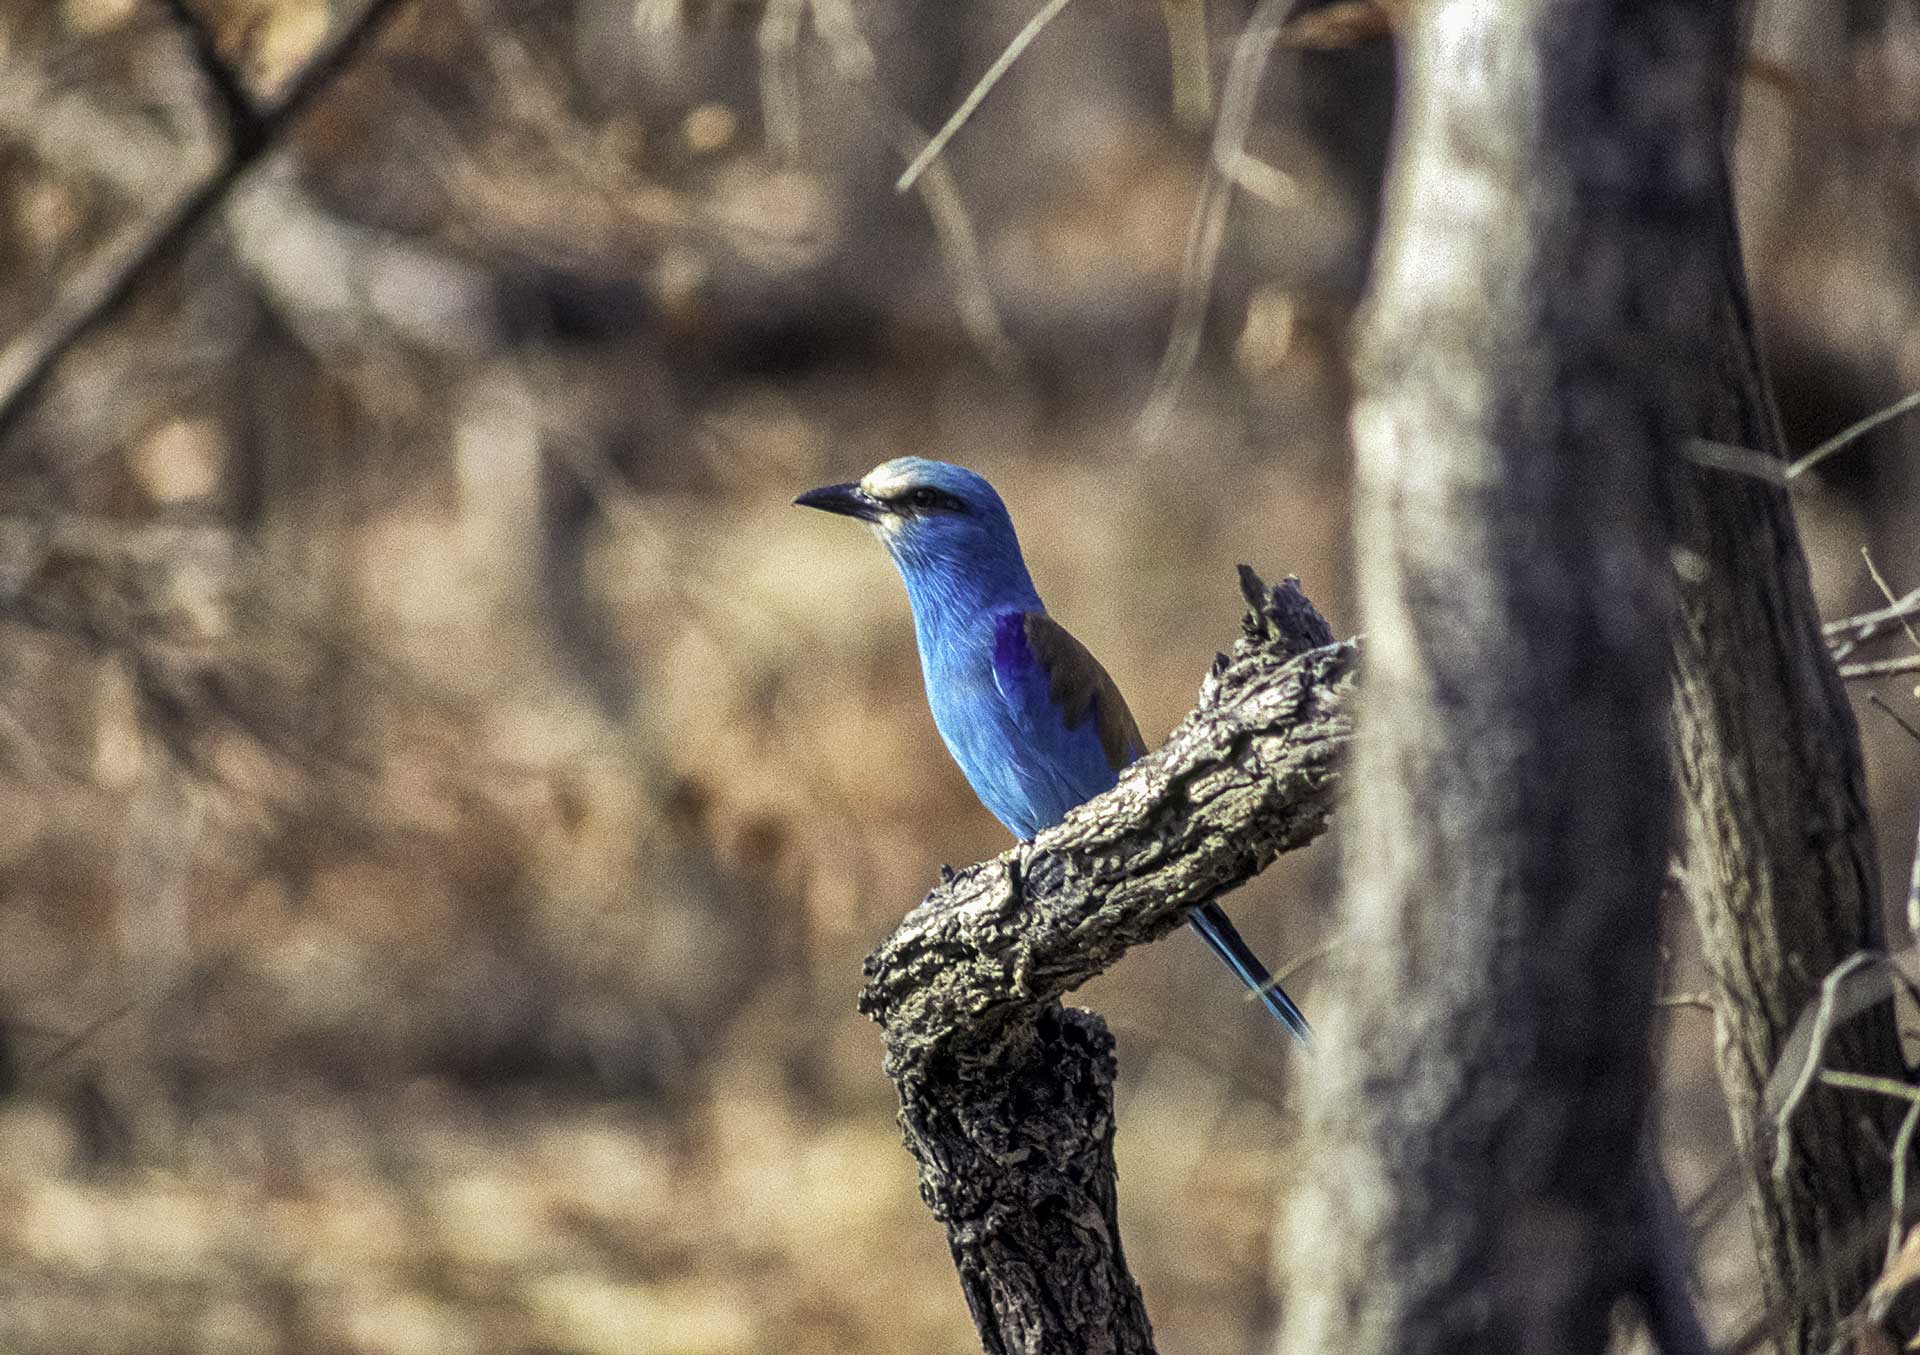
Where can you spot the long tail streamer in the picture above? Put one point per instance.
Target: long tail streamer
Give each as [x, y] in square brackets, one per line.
[1211, 921]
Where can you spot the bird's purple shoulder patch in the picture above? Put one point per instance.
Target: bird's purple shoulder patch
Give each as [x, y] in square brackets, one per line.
[1011, 652]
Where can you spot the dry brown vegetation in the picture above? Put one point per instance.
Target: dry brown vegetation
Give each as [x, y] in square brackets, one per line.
[446, 793]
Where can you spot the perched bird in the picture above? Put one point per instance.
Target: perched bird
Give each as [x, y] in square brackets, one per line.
[1031, 717]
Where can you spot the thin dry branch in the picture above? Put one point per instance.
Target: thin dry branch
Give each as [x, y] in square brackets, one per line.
[1001, 65]
[953, 230]
[1865, 625]
[1913, 883]
[237, 107]
[1825, 1016]
[1189, 60]
[99, 292]
[1902, 1141]
[1875, 700]
[1765, 1326]
[1867, 1082]
[1727, 456]
[779, 44]
[1208, 227]
[1886, 591]
[1847, 436]
[1906, 663]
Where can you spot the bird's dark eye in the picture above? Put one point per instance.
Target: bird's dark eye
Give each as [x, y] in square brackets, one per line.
[924, 497]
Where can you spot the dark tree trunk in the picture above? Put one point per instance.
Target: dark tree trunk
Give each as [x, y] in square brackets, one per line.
[1546, 261]
[1779, 856]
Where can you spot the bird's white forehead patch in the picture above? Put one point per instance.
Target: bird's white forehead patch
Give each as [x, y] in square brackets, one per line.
[888, 478]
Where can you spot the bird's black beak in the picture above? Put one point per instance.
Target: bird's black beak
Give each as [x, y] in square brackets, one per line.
[848, 499]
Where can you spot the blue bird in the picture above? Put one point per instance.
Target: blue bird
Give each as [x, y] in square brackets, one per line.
[1031, 717]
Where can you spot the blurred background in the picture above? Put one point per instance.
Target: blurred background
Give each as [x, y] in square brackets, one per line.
[446, 791]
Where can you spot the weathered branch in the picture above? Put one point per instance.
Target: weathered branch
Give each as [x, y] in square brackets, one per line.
[102, 288]
[1006, 1098]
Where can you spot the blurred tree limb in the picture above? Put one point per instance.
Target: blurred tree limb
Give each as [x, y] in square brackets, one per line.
[1007, 1098]
[238, 110]
[1300, 24]
[953, 228]
[102, 288]
[1476, 1175]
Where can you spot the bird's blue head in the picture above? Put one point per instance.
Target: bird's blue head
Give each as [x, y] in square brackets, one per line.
[946, 529]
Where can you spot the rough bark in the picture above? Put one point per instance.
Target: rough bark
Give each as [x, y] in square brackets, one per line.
[1779, 855]
[1475, 1120]
[1006, 1099]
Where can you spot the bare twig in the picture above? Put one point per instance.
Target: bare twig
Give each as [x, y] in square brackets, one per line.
[1721, 1190]
[1849, 633]
[960, 250]
[1209, 224]
[1869, 623]
[237, 107]
[81, 1036]
[1913, 886]
[1765, 1326]
[1902, 1141]
[1852, 433]
[1307, 957]
[1759, 1329]
[1906, 663]
[1740, 460]
[1868, 1082]
[779, 42]
[1746, 461]
[100, 291]
[952, 227]
[1873, 699]
[1873, 571]
[1902, 1149]
[1269, 183]
[1002, 64]
[1279, 979]
[1188, 56]
[1816, 1048]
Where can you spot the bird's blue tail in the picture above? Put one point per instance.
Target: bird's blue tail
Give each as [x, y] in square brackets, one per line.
[1211, 921]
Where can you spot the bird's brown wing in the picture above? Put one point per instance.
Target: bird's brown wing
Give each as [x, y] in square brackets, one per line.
[1078, 685]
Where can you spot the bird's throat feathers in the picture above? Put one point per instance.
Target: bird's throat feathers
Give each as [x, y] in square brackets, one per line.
[959, 575]
[956, 595]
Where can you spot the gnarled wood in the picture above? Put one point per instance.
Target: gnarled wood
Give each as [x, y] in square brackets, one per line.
[1006, 1098]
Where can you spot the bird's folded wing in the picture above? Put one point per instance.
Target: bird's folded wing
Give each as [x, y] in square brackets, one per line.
[1049, 679]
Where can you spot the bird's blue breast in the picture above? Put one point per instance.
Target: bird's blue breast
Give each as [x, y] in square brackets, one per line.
[992, 703]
